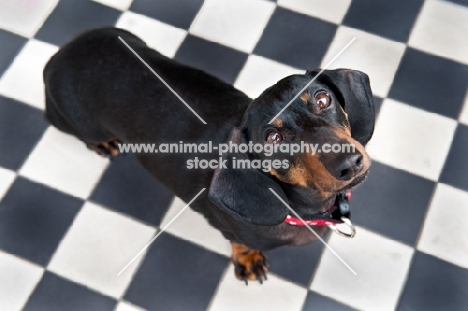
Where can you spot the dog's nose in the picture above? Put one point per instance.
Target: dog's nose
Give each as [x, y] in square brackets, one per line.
[350, 167]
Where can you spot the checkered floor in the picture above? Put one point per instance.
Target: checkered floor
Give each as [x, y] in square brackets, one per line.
[70, 220]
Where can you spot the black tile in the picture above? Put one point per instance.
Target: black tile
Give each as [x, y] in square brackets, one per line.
[21, 127]
[127, 187]
[216, 59]
[315, 301]
[461, 2]
[434, 284]
[391, 19]
[176, 275]
[429, 82]
[11, 44]
[178, 13]
[54, 293]
[455, 171]
[295, 39]
[377, 103]
[33, 220]
[392, 202]
[71, 17]
[296, 263]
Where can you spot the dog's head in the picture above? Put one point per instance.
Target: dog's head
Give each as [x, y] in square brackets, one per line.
[335, 114]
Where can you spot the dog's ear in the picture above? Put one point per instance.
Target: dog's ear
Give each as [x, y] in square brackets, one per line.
[244, 193]
[358, 101]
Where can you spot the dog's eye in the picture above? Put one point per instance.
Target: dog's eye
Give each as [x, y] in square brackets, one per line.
[274, 137]
[323, 100]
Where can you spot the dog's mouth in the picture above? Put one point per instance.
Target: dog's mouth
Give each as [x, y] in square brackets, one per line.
[307, 214]
[356, 181]
[328, 206]
[336, 218]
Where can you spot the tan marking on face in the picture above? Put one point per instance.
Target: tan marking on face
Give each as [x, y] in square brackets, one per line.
[345, 135]
[344, 111]
[305, 97]
[293, 176]
[346, 129]
[278, 122]
[319, 176]
[298, 176]
[310, 171]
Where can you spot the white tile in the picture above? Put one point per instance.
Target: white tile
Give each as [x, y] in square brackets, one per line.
[376, 56]
[381, 265]
[23, 79]
[97, 246]
[273, 294]
[193, 227]
[6, 179]
[116, 4]
[125, 306]
[331, 11]
[18, 279]
[260, 73]
[63, 162]
[463, 118]
[411, 139]
[163, 38]
[445, 231]
[235, 23]
[441, 29]
[24, 17]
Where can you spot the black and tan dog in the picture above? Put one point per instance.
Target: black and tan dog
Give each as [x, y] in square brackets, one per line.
[99, 92]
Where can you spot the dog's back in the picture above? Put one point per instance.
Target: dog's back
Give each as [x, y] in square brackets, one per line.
[98, 91]
[95, 76]
[78, 76]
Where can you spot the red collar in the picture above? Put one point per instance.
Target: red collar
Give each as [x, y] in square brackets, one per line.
[325, 219]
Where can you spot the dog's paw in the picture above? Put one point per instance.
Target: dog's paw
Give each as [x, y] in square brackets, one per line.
[106, 148]
[250, 265]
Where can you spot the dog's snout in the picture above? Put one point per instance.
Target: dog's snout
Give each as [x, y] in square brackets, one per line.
[349, 167]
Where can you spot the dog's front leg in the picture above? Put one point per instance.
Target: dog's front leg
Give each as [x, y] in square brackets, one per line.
[249, 264]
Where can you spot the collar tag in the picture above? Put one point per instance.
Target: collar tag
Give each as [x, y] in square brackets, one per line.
[342, 214]
[345, 228]
[342, 203]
